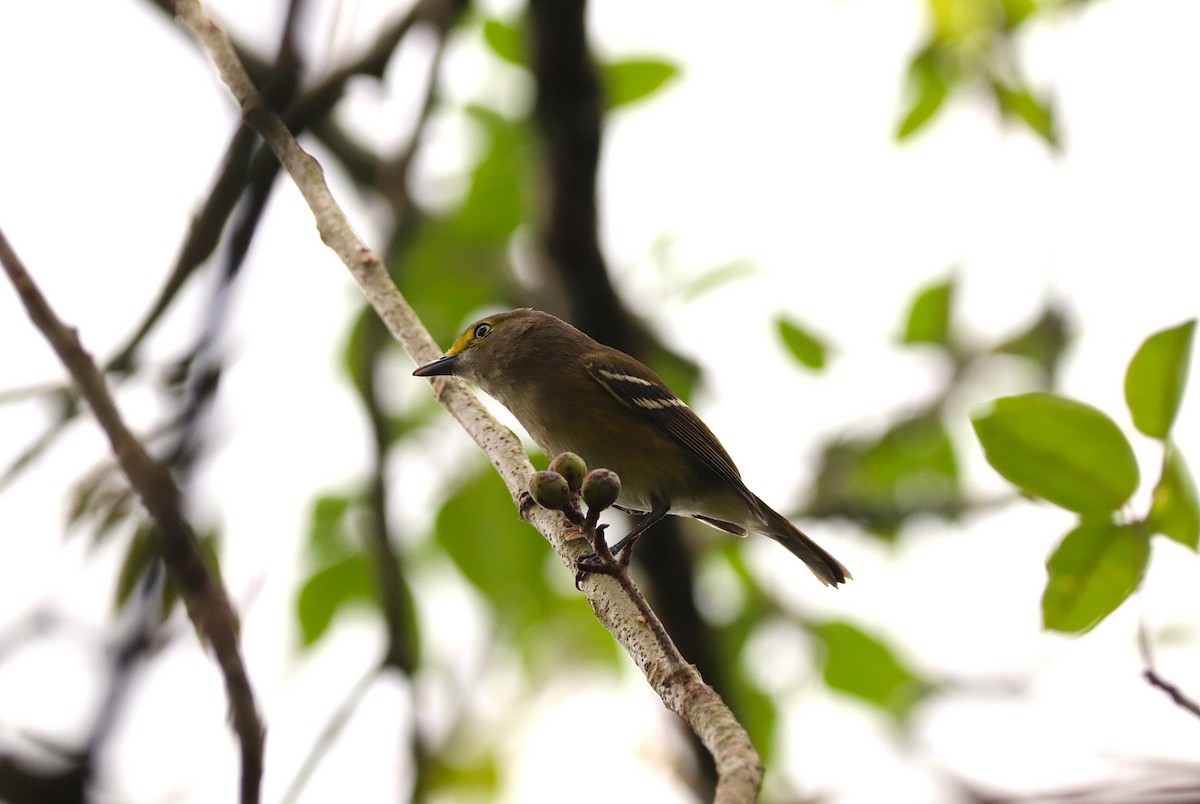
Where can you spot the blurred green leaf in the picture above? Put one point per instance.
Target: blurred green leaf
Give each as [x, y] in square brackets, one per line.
[460, 261]
[144, 548]
[105, 498]
[1174, 509]
[356, 349]
[963, 20]
[84, 494]
[477, 779]
[691, 288]
[327, 538]
[1066, 451]
[1043, 342]
[808, 349]
[910, 469]
[343, 574]
[1037, 113]
[1156, 378]
[758, 713]
[864, 667]
[495, 199]
[506, 40]
[505, 559]
[928, 86]
[1093, 570]
[929, 316]
[1017, 11]
[499, 554]
[756, 709]
[327, 590]
[633, 80]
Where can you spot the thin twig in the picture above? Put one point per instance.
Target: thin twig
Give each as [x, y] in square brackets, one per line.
[329, 734]
[673, 679]
[1152, 677]
[205, 599]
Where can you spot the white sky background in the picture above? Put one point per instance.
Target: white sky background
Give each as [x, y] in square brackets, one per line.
[776, 146]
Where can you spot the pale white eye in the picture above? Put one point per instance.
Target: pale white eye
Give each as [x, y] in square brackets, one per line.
[482, 329]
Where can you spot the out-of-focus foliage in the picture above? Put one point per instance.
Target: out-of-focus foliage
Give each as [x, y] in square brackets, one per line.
[809, 349]
[632, 80]
[1174, 510]
[1076, 457]
[342, 569]
[506, 561]
[452, 260]
[861, 665]
[911, 467]
[626, 81]
[881, 481]
[972, 45]
[929, 316]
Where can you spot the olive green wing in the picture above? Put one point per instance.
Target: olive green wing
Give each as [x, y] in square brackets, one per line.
[640, 389]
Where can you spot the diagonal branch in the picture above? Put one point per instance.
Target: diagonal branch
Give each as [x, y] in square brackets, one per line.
[206, 602]
[1150, 674]
[677, 683]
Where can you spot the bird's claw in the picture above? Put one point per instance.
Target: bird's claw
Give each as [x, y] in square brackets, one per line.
[525, 504]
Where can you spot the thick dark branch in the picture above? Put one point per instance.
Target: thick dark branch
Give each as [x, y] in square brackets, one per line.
[569, 113]
[206, 602]
[568, 109]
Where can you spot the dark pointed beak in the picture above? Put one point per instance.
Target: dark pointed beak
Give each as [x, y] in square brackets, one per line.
[443, 365]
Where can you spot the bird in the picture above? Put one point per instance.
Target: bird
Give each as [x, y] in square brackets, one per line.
[574, 394]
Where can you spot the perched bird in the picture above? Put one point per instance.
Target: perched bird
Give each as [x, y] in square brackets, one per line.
[574, 394]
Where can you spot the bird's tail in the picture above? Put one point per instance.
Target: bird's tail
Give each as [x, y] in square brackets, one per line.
[827, 568]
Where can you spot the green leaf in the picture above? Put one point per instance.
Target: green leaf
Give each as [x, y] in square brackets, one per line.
[506, 561]
[475, 779]
[1043, 342]
[1174, 509]
[929, 316]
[635, 79]
[863, 666]
[690, 288]
[1068, 452]
[1093, 570]
[327, 590]
[807, 348]
[143, 549]
[1017, 11]
[460, 261]
[357, 349]
[929, 88]
[506, 40]
[1156, 378]
[881, 482]
[1037, 113]
[327, 538]
[499, 554]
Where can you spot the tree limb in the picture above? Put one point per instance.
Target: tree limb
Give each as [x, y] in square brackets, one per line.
[676, 682]
[206, 602]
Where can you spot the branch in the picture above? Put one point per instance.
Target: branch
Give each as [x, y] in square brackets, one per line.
[205, 600]
[676, 682]
[1178, 696]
